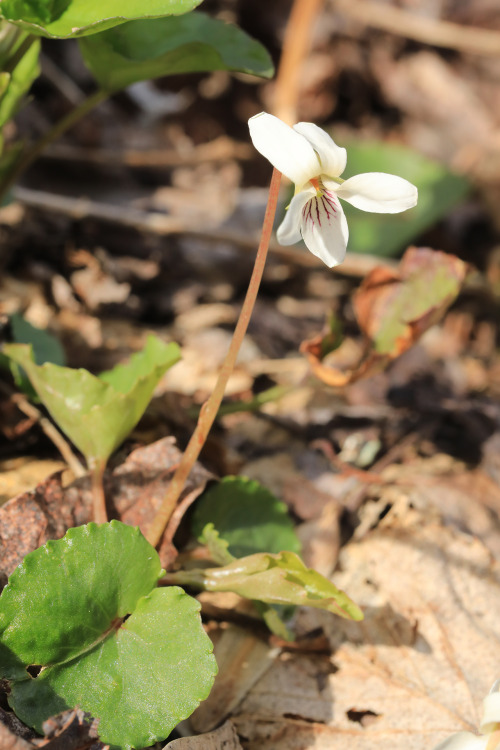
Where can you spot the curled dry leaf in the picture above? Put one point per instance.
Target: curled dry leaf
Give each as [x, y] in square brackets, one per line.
[393, 310]
[413, 672]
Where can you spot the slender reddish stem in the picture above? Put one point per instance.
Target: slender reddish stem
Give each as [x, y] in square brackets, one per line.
[211, 406]
[98, 496]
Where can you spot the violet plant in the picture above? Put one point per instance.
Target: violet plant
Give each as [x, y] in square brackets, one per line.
[83, 621]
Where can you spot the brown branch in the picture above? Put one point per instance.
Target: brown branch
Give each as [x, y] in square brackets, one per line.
[475, 41]
[219, 150]
[357, 265]
[49, 429]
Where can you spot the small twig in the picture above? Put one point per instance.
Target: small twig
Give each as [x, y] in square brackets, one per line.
[211, 407]
[219, 150]
[295, 48]
[356, 264]
[439, 33]
[49, 429]
[62, 82]
[367, 477]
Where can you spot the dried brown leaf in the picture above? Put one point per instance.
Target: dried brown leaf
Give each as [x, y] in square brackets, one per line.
[413, 672]
[224, 738]
[393, 308]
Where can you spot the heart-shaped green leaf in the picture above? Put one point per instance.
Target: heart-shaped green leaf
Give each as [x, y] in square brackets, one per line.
[275, 579]
[67, 18]
[247, 516]
[194, 42]
[97, 413]
[85, 608]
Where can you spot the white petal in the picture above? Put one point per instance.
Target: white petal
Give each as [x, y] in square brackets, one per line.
[288, 151]
[289, 230]
[379, 193]
[324, 229]
[491, 713]
[464, 741]
[332, 158]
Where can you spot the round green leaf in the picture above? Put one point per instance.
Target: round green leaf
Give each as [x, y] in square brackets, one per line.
[191, 43]
[140, 682]
[66, 595]
[86, 609]
[247, 516]
[68, 18]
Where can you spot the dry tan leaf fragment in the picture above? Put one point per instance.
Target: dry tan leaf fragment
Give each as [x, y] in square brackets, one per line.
[224, 738]
[413, 672]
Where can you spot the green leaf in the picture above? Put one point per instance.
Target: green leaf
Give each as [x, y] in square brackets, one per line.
[97, 413]
[191, 43]
[217, 547]
[66, 594]
[438, 192]
[69, 18]
[275, 579]
[46, 348]
[273, 615]
[16, 85]
[87, 610]
[247, 516]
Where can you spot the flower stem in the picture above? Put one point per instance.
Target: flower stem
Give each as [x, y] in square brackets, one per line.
[211, 406]
[29, 156]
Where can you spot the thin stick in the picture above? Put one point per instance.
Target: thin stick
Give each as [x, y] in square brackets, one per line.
[49, 429]
[439, 33]
[220, 150]
[356, 264]
[295, 48]
[211, 407]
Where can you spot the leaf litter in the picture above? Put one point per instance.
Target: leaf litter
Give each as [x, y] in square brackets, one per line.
[416, 537]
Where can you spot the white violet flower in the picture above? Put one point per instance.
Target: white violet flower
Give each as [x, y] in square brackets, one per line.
[312, 160]
[489, 737]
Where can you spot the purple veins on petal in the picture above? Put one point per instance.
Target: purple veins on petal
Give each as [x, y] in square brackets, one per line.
[327, 209]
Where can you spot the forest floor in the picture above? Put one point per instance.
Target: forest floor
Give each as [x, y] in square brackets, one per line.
[145, 218]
